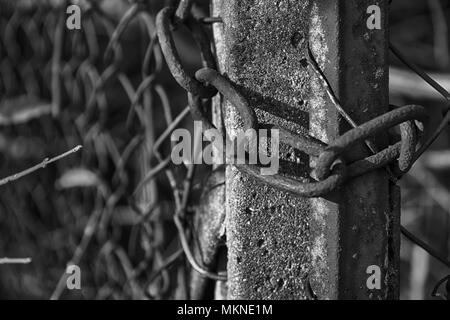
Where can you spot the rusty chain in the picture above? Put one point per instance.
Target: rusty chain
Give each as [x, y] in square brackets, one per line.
[331, 172]
[403, 154]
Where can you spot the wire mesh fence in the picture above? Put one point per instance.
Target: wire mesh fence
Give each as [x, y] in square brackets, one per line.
[118, 224]
[121, 209]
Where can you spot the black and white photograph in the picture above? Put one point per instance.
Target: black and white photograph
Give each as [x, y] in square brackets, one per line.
[224, 155]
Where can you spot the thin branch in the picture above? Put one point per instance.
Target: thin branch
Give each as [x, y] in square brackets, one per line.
[41, 165]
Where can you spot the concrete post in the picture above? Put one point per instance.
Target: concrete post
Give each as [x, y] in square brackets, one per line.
[279, 245]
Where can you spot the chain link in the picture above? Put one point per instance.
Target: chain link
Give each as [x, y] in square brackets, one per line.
[327, 181]
[415, 123]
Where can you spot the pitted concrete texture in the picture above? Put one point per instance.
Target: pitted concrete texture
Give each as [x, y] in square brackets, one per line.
[275, 239]
[261, 47]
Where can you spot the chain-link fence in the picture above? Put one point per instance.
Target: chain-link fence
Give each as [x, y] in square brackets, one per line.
[137, 225]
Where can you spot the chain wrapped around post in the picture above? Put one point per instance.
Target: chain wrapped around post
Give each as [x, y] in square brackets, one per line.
[330, 171]
[208, 81]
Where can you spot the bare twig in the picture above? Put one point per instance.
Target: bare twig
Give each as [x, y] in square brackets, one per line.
[41, 165]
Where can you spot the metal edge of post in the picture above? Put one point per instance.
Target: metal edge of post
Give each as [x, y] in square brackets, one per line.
[362, 228]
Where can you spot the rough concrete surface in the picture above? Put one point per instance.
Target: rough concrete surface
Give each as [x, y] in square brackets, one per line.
[275, 240]
[263, 44]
